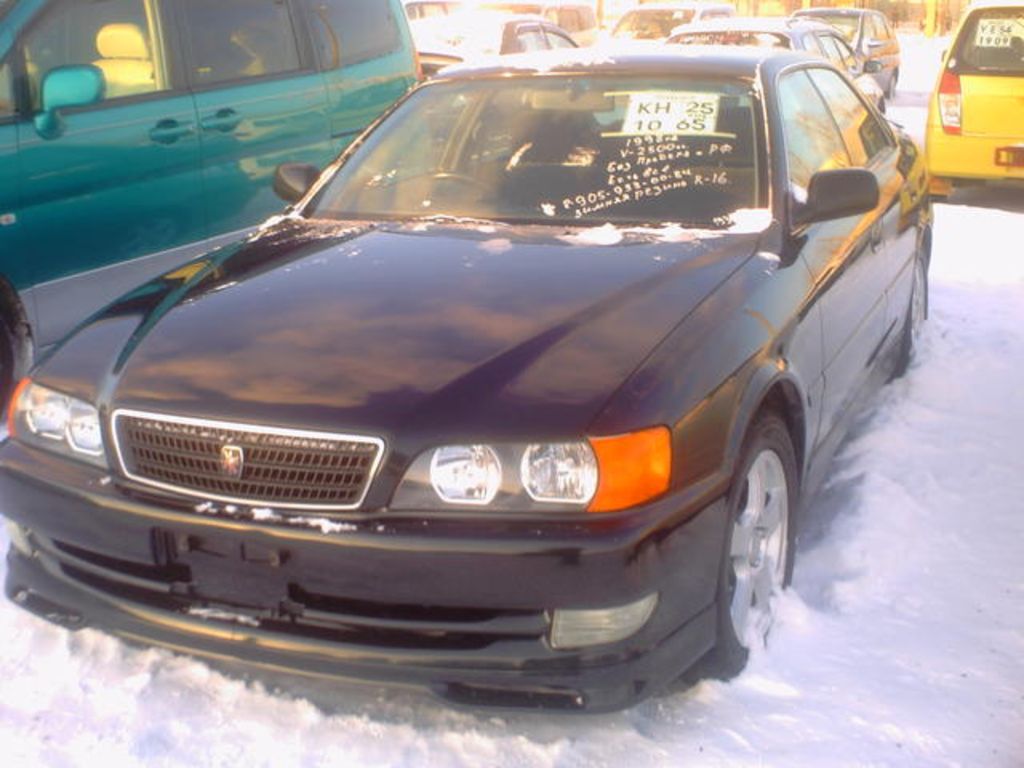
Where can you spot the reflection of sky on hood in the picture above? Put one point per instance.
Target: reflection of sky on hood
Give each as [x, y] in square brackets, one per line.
[391, 318]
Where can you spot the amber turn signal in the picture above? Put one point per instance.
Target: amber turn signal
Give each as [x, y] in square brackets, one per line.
[632, 468]
[12, 405]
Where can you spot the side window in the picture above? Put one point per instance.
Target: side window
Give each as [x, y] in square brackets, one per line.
[349, 32]
[845, 52]
[813, 142]
[558, 40]
[121, 37]
[884, 31]
[530, 39]
[876, 29]
[239, 39]
[864, 136]
[6, 91]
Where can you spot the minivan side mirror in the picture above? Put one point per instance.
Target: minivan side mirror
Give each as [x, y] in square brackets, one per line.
[838, 193]
[293, 180]
[872, 67]
[77, 86]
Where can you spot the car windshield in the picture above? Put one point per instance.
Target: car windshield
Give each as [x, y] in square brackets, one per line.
[993, 41]
[651, 25]
[557, 150]
[733, 37]
[845, 24]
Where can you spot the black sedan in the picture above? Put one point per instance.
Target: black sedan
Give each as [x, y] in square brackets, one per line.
[517, 403]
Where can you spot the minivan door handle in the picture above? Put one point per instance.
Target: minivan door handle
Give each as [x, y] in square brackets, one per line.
[169, 131]
[223, 120]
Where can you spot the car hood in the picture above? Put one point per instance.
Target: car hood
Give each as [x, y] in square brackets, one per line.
[430, 329]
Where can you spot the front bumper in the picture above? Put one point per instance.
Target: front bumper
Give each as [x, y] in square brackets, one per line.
[458, 605]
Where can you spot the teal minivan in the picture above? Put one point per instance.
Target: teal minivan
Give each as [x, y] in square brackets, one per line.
[135, 134]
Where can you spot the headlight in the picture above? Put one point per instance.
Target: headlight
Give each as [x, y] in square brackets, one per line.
[48, 419]
[559, 472]
[465, 474]
[600, 474]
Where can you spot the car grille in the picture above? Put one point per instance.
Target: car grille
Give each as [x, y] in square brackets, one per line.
[242, 463]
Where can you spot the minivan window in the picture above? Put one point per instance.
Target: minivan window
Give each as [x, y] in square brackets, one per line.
[121, 37]
[993, 41]
[239, 39]
[352, 31]
[6, 91]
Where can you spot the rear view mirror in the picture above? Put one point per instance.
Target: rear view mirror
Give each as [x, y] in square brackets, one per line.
[77, 86]
[872, 67]
[838, 193]
[293, 180]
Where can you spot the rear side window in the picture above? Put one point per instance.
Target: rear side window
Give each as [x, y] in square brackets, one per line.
[992, 41]
[349, 32]
[122, 38]
[239, 39]
[836, 53]
[813, 142]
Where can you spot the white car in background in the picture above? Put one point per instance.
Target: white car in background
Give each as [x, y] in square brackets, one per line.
[656, 21]
[472, 35]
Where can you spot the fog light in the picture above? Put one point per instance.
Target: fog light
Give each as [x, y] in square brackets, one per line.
[19, 536]
[580, 628]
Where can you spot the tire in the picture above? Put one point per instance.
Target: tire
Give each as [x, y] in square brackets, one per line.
[917, 313]
[757, 561]
[7, 363]
[890, 92]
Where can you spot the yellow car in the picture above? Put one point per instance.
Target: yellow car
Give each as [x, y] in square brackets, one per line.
[976, 115]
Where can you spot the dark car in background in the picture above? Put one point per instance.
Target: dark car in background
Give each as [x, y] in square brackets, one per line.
[136, 134]
[870, 34]
[796, 34]
[524, 417]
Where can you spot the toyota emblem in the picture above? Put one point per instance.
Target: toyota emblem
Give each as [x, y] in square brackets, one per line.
[232, 459]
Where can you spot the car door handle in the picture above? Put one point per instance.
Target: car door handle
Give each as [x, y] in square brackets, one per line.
[224, 121]
[169, 131]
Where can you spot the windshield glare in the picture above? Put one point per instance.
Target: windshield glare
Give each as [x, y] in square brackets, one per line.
[557, 149]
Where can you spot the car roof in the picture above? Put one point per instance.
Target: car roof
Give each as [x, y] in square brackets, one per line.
[834, 11]
[687, 6]
[994, 4]
[739, 62]
[756, 24]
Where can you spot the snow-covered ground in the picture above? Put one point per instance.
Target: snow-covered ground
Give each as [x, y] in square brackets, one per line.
[901, 642]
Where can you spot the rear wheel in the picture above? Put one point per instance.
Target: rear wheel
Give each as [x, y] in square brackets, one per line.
[758, 560]
[917, 313]
[890, 92]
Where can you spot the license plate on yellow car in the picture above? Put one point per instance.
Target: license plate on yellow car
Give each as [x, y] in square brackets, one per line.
[1010, 157]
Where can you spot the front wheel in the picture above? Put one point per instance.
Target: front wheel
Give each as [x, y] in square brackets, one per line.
[758, 560]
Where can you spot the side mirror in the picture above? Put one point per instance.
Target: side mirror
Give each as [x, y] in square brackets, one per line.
[837, 194]
[77, 86]
[872, 67]
[293, 180]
